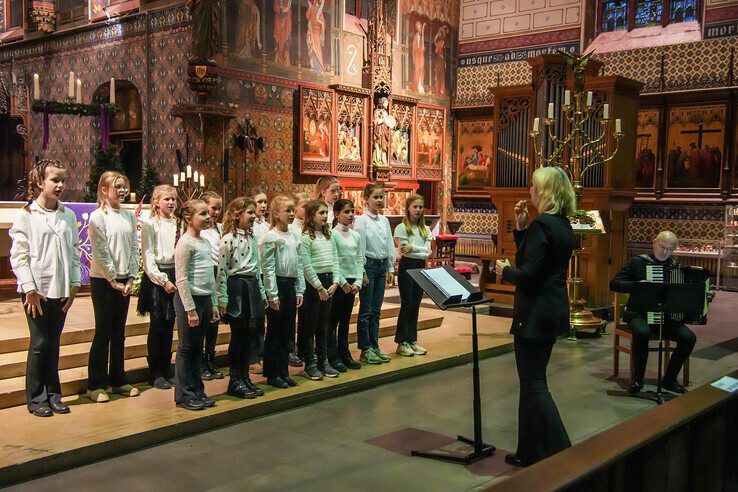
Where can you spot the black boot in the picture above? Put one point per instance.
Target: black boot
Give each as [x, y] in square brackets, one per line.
[212, 368]
[205, 373]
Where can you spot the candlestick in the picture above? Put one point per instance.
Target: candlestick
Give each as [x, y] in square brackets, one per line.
[133, 197]
[550, 111]
[176, 179]
[70, 90]
[567, 98]
[618, 127]
[202, 181]
[189, 171]
[536, 124]
[182, 178]
[79, 91]
[112, 91]
[589, 99]
[606, 112]
[36, 87]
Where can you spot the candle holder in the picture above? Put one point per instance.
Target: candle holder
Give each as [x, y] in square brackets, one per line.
[570, 153]
[189, 184]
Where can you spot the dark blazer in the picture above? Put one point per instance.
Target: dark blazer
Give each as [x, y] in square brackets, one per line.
[626, 280]
[541, 307]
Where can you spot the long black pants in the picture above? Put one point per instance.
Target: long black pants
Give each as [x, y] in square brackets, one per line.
[342, 304]
[187, 381]
[42, 366]
[280, 329]
[314, 314]
[674, 331]
[258, 327]
[111, 310]
[211, 333]
[410, 296]
[541, 432]
[159, 346]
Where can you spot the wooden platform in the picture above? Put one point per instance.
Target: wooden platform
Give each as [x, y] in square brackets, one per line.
[34, 446]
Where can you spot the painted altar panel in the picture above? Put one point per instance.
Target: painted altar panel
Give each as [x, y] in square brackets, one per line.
[351, 111]
[696, 139]
[316, 128]
[647, 147]
[431, 123]
[474, 153]
[402, 140]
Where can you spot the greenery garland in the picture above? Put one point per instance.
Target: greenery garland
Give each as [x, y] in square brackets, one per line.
[79, 109]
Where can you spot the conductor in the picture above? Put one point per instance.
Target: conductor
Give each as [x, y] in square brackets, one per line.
[541, 309]
[626, 281]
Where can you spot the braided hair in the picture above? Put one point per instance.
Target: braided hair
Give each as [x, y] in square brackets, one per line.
[184, 213]
[36, 175]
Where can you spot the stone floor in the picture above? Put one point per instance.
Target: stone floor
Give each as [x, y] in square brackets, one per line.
[361, 441]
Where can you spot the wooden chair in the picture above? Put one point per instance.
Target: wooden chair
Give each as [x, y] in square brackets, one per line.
[620, 330]
[492, 284]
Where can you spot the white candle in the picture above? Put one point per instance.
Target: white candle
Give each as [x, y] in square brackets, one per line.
[176, 179]
[589, 99]
[112, 91]
[182, 178]
[79, 91]
[202, 180]
[550, 111]
[536, 124]
[606, 112]
[133, 198]
[196, 177]
[189, 171]
[618, 127]
[70, 90]
[567, 98]
[36, 87]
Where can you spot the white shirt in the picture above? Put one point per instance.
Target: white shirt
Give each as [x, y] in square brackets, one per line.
[296, 226]
[377, 236]
[194, 268]
[45, 251]
[114, 242]
[157, 247]
[421, 246]
[279, 252]
[260, 227]
[239, 255]
[349, 248]
[212, 236]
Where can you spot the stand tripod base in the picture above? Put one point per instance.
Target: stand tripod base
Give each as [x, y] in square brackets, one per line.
[481, 450]
[655, 396]
[583, 319]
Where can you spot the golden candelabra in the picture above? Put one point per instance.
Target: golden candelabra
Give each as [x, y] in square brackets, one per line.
[190, 184]
[570, 154]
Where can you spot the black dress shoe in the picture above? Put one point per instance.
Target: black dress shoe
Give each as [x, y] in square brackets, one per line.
[59, 407]
[237, 388]
[635, 387]
[673, 386]
[193, 404]
[294, 360]
[277, 383]
[43, 411]
[161, 383]
[338, 365]
[289, 381]
[207, 401]
[253, 387]
[351, 363]
[512, 459]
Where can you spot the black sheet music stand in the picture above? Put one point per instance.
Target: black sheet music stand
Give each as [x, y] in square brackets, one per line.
[668, 299]
[481, 449]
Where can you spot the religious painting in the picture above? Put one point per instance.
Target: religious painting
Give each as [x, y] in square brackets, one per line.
[280, 19]
[244, 29]
[439, 58]
[317, 48]
[419, 40]
[647, 147]
[351, 120]
[474, 153]
[401, 142]
[429, 150]
[696, 139]
[316, 128]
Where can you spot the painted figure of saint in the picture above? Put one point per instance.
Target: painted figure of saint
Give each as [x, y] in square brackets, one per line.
[439, 41]
[204, 29]
[315, 38]
[384, 123]
[248, 34]
[418, 50]
[282, 31]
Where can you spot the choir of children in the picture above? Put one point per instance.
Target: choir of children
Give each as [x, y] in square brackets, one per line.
[314, 259]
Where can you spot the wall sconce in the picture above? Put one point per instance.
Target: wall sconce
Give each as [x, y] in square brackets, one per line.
[246, 138]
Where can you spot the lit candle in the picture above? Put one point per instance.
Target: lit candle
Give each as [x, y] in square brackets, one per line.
[202, 180]
[550, 111]
[567, 98]
[589, 99]
[36, 87]
[189, 171]
[176, 179]
[536, 124]
[606, 112]
[112, 91]
[618, 127]
[79, 91]
[70, 90]
[133, 197]
[182, 178]
[196, 177]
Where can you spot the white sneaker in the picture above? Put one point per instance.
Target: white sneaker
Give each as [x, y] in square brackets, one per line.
[417, 349]
[404, 349]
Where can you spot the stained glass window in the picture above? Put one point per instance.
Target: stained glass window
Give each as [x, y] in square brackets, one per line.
[648, 13]
[614, 15]
[683, 10]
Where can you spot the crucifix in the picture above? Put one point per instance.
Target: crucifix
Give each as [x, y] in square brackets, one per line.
[700, 131]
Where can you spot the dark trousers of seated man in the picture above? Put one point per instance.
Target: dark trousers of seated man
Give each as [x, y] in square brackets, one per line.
[675, 331]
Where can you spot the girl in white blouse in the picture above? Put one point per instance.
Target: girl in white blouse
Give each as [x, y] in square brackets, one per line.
[284, 285]
[45, 259]
[413, 238]
[241, 296]
[113, 268]
[328, 189]
[212, 234]
[156, 298]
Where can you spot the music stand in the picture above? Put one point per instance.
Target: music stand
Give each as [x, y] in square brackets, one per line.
[444, 301]
[666, 298]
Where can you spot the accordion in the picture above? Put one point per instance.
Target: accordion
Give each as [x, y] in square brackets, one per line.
[679, 275]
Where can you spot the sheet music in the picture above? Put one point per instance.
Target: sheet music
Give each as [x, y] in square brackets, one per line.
[726, 383]
[446, 283]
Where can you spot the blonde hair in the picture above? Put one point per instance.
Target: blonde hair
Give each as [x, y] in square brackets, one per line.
[38, 174]
[157, 194]
[309, 226]
[301, 197]
[555, 192]
[370, 187]
[235, 208]
[323, 183]
[185, 213]
[107, 180]
[422, 228]
[278, 202]
[210, 195]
